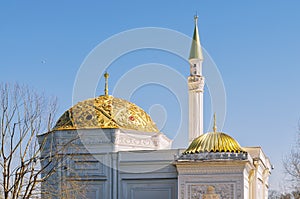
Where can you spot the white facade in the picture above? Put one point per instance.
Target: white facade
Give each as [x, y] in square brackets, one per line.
[98, 166]
[235, 176]
[259, 175]
[102, 167]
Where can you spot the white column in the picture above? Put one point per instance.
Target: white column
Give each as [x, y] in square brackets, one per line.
[196, 85]
[114, 169]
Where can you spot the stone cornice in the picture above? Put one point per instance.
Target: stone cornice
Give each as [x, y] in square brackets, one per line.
[209, 167]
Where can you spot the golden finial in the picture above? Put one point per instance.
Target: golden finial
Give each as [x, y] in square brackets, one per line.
[106, 76]
[215, 123]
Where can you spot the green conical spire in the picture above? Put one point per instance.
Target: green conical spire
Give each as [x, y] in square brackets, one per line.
[196, 51]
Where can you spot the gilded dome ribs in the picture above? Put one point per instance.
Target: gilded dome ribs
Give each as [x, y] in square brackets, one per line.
[106, 112]
[214, 142]
[106, 115]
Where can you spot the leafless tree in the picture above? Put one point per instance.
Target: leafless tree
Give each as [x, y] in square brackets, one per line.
[69, 184]
[292, 166]
[23, 115]
[277, 195]
[70, 189]
[274, 194]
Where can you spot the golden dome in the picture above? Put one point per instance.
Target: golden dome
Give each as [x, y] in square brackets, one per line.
[106, 112]
[214, 142]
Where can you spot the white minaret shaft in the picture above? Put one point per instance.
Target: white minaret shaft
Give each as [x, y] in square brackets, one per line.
[195, 85]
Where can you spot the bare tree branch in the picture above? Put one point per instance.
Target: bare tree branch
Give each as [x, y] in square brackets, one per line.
[291, 164]
[23, 115]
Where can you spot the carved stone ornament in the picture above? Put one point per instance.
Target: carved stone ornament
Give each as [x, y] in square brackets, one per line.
[196, 83]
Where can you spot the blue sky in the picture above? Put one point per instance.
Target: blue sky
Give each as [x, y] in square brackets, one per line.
[255, 45]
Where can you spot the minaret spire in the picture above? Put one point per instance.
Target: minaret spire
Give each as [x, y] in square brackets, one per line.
[196, 86]
[196, 51]
[106, 76]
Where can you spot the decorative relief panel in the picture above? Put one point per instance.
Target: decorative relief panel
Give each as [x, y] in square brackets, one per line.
[182, 191]
[196, 83]
[204, 191]
[211, 193]
[95, 140]
[129, 140]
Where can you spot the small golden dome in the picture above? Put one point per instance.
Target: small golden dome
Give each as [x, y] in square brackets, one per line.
[106, 112]
[214, 142]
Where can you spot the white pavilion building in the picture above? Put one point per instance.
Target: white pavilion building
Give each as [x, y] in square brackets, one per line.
[109, 148]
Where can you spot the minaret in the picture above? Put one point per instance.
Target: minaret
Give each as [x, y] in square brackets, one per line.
[196, 85]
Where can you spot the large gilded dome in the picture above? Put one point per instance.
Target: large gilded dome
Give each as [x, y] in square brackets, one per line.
[106, 112]
[214, 142]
